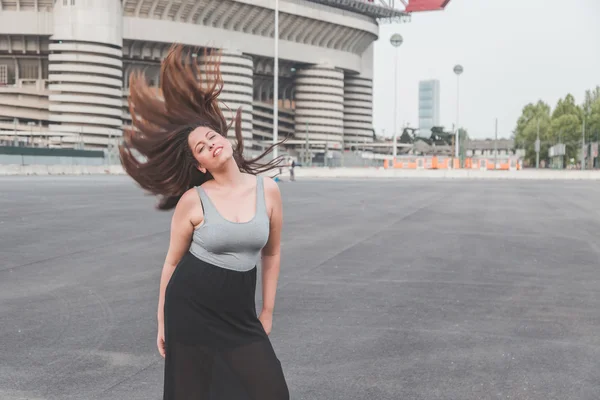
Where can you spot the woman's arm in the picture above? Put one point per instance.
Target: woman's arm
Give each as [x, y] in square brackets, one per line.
[182, 229]
[271, 255]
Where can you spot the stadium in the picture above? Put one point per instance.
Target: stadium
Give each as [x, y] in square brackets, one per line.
[65, 66]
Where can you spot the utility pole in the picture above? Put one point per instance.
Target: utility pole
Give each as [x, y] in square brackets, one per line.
[16, 138]
[496, 147]
[306, 153]
[276, 81]
[396, 40]
[583, 144]
[537, 146]
[458, 70]
[343, 145]
[109, 146]
[454, 146]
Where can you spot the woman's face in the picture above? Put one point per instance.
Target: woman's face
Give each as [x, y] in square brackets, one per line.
[209, 148]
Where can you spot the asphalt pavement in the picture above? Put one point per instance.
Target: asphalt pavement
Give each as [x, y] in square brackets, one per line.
[389, 289]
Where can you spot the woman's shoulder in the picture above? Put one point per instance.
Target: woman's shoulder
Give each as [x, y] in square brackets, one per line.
[189, 199]
[190, 205]
[271, 188]
[269, 183]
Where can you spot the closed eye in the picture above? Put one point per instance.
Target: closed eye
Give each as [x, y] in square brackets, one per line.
[210, 138]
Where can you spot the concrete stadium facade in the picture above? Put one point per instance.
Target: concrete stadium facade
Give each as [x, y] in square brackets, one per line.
[65, 65]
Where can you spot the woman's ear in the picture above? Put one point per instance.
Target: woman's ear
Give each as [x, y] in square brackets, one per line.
[201, 169]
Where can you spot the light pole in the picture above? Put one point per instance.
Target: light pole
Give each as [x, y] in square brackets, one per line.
[396, 40]
[496, 147]
[537, 145]
[583, 141]
[276, 79]
[31, 125]
[458, 70]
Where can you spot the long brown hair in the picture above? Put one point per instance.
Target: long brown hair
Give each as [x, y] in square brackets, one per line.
[155, 151]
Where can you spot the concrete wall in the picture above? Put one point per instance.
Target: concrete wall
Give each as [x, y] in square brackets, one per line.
[59, 170]
[41, 156]
[13, 159]
[358, 110]
[87, 42]
[320, 102]
[197, 35]
[330, 173]
[26, 23]
[445, 174]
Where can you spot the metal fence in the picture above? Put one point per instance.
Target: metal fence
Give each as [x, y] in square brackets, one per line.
[16, 155]
[21, 155]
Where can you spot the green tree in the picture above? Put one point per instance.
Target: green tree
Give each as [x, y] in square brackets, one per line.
[591, 110]
[561, 125]
[591, 97]
[525, 133]
[593, 122]
[566, 125]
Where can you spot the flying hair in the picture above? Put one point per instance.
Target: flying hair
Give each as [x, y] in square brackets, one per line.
[155, 150]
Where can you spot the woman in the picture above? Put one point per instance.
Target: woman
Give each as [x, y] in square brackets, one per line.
[226, 218]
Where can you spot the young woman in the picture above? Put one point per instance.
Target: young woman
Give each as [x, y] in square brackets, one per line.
[226, 219]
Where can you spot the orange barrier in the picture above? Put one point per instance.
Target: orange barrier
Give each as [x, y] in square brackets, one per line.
[503, 164]
[435, 162]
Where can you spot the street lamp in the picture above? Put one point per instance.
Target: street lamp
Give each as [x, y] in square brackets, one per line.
[396, 40]
[30, 140]
[583, 139]
[458, 70]
[276, 80]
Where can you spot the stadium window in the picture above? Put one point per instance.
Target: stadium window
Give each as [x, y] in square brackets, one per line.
[3, 75]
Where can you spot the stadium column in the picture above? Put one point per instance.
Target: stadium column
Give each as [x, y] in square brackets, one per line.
[237, 71]
[86, 71]
[320, 105]
[358, 110]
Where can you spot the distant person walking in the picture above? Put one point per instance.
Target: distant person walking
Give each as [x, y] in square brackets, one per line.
[226, 218]
[292, 166]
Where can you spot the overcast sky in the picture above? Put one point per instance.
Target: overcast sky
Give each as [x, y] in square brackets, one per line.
[513, 52]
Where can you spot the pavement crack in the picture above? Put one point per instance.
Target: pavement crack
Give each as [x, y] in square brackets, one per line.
[82, 251]
[373, 234]
[127, 378]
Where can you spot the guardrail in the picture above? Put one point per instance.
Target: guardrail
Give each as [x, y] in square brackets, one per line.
[332, 173]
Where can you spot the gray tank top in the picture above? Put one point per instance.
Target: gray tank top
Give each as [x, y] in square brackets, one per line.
[227, 244]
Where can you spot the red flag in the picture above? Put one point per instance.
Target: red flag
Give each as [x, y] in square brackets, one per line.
[426, 5]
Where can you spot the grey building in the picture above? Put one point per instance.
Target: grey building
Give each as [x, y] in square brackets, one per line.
[65, 66]
[429, 106]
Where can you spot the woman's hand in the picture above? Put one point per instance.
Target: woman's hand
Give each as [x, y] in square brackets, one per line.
[160, 339]
[266, 319]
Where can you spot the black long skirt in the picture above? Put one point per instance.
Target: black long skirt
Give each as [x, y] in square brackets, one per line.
[216, 348]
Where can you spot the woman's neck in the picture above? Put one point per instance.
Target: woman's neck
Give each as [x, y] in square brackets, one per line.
[229, 175]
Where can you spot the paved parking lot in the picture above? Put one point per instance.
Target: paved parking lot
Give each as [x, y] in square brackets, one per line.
[390, 289]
